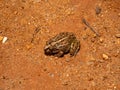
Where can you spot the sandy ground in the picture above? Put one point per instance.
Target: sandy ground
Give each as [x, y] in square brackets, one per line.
[23, 64]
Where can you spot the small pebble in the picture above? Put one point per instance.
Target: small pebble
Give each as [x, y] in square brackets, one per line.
[119, 14]
[117, 35]
[4, 39]
[85, 37]
[94, 35]
[93, 83]
[67, 75]
[29, 46]
[90, 63]
[65, 83]
[93, 40]
[105, 56]
[67, 60]
[101, 40]
[51, 75]
[98, 10]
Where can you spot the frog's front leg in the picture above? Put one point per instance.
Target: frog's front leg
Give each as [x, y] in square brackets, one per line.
[59, 54]
[75, 47]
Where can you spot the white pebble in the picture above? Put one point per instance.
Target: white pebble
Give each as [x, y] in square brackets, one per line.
[117, 35]
[4, 39]
[105, 56]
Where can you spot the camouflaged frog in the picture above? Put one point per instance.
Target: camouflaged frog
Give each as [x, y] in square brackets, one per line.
[63, 43]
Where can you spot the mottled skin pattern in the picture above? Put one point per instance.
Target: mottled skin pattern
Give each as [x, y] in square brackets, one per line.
[63, 43]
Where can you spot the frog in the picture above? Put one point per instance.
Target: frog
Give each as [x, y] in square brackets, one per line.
[61, 44]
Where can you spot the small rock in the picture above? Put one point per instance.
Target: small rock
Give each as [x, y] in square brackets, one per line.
[105, 56]
[119, 14]
[104, 78]
[93, 83]
[51, 74]
[117, 35]
[101, 40]
[4, 39]
[90, 63]
[94, 35]
[85, 37]
[15, 12]
[29, 46]
[100, 60]
[67, 75]
[67, 60]
[90, 79]
[93, 40]
[98, 10]
[65, 83]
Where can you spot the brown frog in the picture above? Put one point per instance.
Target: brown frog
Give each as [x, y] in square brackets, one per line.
[63, 43]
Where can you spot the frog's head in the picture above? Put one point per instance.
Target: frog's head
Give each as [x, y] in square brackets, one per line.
[48, 50]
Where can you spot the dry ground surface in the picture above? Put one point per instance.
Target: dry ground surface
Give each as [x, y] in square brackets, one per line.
[28, 24]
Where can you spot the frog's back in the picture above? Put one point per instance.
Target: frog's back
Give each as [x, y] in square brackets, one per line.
[61, 37]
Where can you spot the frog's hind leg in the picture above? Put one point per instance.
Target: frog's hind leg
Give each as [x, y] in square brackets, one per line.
[59, 54]
[75, 47]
